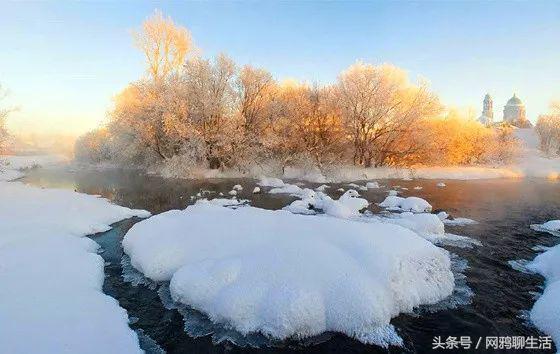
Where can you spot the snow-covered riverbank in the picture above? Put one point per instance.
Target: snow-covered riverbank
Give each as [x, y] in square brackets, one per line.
[12, 167]
[51, 298]
[546, 311]
[531, 162]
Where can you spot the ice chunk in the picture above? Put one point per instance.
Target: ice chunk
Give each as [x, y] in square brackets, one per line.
[238, 187]
[372, 185]
[322, 188]
[414, 204]
[441, 184]
[232, 192]
[256, 190]
[287, 275]
[552, 227]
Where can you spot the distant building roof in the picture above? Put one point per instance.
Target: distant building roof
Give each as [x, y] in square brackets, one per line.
[514, 101]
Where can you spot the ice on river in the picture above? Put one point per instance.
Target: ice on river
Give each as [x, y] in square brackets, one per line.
[552, 227]
[51, 298]
[286, 275]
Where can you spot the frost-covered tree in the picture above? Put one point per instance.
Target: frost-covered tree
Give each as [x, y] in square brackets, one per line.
[211, 103]
[4, 112]
[380, 106]
[164, 44]
[548, 129]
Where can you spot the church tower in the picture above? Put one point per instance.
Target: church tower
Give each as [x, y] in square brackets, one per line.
[487, 117]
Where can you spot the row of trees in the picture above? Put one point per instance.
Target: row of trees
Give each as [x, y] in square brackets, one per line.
[3, 115]
[191, 111]
[548, 128]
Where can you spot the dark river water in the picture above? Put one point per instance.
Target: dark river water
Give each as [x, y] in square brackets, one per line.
[501, 296]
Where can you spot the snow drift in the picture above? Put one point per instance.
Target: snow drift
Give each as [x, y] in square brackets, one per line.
[287, 275]
[51, 298]
[545, 314]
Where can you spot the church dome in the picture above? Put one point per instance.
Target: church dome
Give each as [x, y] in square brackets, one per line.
[514, 101]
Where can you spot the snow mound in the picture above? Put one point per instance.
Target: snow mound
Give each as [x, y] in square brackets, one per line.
[270, 182]
[545, 314]
[418, 188]
[552, 227]
[414, 204]
[232, 192]
[287, 189]
[424, 223]
[237, 187]
[287, 275]
[444, 217]
[372, 185]
[441, 184]
[348, 205]
[393, 192]
[322, 188]
[256, 190]
[52, 278]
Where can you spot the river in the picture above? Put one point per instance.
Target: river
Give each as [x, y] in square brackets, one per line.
[501, 295]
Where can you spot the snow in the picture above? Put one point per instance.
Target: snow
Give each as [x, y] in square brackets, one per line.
[51, 298]
[372, 185]
[545, 313]
[287, 275]
[348, 205]
[11, 166]
[441, 184]
[423, 223]
[552, 227]
[224, 202]
[322, 188]
[271, 182]
[393, 192]
[287, 189]
[232, 192]
[413, 204]
[444, 217]
[21, 162]
[237, 187]
[418, 188]
[256, 190]
[533, 162]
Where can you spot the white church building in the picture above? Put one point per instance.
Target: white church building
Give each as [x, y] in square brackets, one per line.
[514, 112]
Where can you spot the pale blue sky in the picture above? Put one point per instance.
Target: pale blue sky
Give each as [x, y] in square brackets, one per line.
[64, 61]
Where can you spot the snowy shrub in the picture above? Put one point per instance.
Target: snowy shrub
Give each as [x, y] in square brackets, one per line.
[548, 129]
